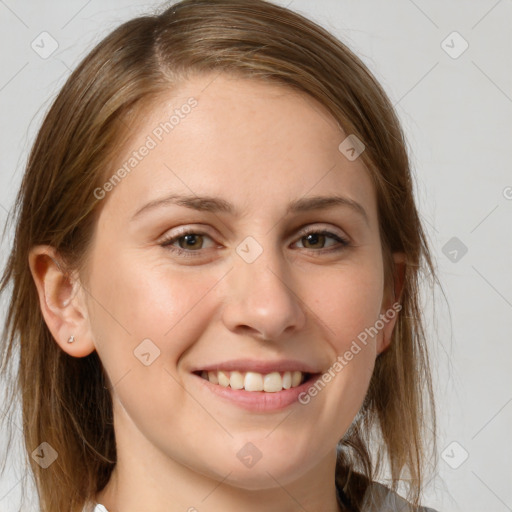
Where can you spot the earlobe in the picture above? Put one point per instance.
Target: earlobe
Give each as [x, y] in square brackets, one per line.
[391, 305]
[62, 306]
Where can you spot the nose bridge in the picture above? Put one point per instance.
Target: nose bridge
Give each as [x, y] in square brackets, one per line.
[263, 297]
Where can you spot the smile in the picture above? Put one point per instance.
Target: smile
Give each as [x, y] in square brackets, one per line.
[272, 382]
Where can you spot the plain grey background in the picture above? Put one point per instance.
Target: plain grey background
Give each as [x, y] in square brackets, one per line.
[446, 68]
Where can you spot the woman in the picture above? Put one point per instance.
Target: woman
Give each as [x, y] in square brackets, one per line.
[215, 275]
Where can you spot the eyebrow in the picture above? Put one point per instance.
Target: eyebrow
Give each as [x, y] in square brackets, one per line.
[218, 205]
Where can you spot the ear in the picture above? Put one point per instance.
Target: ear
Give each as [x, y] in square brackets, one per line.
[391, 301]
[62, 301]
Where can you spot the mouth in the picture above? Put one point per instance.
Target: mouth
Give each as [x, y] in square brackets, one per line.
[257, 386]
[272, 382]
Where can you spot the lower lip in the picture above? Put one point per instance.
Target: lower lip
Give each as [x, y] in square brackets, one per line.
[258, 401]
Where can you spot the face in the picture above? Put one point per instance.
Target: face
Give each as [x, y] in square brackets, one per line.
[213, 261]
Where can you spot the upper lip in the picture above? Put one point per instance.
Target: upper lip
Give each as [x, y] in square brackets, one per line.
[264, 367]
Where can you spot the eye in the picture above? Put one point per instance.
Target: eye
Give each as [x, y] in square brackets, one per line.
[315, 239]
[189, 242]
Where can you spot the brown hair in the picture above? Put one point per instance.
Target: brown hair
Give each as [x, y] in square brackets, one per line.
[71, 156]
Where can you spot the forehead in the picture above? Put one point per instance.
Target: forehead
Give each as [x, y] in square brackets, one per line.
[252, 142]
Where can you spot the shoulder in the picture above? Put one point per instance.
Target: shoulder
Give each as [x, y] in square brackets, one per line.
[379, 498]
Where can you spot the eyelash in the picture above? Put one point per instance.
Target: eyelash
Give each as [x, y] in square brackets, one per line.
[166, 243]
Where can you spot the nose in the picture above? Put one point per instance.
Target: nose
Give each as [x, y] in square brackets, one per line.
[262, 298]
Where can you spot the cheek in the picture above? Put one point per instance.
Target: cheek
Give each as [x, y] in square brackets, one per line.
[349, 306]
[348, 302]
[133, 300]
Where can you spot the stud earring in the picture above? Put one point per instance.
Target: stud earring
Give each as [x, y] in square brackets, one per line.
[71, 339]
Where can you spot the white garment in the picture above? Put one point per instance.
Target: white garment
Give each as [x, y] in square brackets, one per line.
[100, 508]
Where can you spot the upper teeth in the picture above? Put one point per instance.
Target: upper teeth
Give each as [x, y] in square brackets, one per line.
[252, 381]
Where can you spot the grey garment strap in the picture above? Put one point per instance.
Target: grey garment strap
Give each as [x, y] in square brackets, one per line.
[379, 498]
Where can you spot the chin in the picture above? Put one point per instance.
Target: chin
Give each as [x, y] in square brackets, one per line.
[267, 473]
[259, 480]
